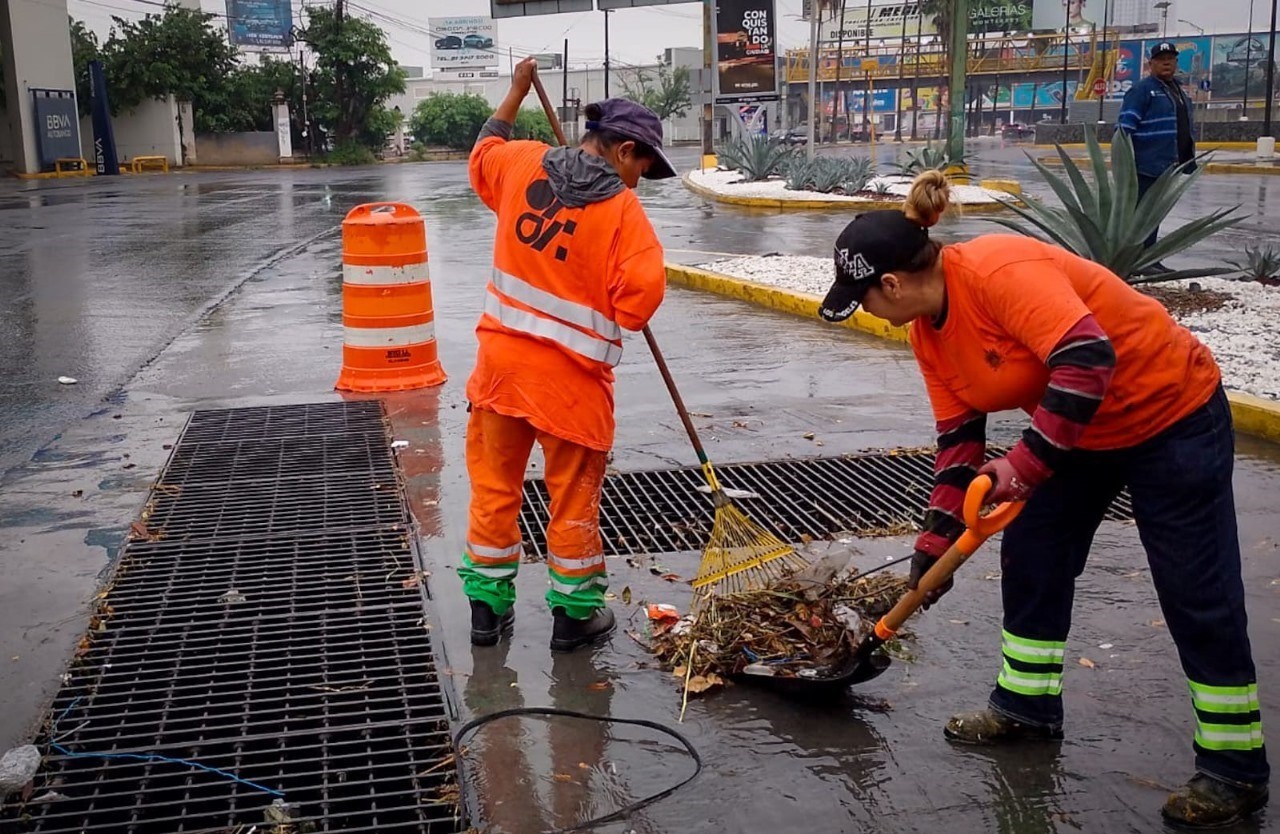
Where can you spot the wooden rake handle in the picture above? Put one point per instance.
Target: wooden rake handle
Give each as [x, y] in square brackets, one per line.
[648, 334]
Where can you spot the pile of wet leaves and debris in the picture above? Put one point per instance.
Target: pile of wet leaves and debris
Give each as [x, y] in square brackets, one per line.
[795, 628]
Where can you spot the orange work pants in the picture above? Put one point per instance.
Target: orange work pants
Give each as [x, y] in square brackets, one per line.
[498, 449]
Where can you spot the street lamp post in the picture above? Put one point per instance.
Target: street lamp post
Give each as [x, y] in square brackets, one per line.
[1199, 29]
[813, 78]
[835, 102]
[902, 60]
[1106, 12]
[915, 77]
[1163, 6]
[607, 12]
[866, 107]
[1248, 54]
[1271, 72]
[1066, 59]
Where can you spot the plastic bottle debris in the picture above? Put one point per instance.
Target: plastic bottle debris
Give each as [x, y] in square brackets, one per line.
[231, 597]
[661, 612]
[18, 767]
[399, 444]
[67, 380]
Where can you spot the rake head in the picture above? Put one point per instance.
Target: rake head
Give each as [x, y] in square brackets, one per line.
[742, 556]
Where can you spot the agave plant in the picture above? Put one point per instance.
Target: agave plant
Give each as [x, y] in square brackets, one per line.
[827, 174]
[799, 174]
[881, 187]
[858, 171]
[1104, 220]
[1261, 263]
[927, 158]
[756, 158]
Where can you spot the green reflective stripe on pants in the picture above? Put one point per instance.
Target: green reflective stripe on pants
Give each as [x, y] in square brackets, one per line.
[493, 585]
[1229, 736]
[1224, 699]
[578, 596]
[1032, 651]
[1029, 683]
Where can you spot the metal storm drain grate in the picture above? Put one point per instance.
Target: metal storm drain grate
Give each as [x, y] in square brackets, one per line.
[269, 626]
[662, 511]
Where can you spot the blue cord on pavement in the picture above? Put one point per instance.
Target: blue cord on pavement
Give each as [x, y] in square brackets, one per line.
[148, 757]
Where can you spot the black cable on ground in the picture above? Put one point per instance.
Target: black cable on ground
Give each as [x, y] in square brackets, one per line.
[621, 813]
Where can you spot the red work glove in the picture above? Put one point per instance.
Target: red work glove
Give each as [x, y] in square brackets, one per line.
[1013, 482]
[920, 564]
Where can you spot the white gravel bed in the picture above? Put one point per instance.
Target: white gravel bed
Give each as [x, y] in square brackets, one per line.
[1244, 335]
[728, 183]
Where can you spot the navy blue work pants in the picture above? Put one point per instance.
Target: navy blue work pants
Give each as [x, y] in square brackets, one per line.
[1180, 482]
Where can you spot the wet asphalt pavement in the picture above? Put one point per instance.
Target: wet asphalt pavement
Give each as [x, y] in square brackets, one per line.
[165, 294]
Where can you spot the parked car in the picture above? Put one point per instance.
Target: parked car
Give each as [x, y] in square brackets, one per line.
[1017, 131]
[474, 41]
[797, 136]
[450, 42]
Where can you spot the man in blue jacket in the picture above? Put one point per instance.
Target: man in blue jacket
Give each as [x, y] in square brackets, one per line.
[1157, 115]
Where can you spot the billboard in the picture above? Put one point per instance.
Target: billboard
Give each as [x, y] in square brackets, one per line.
[1039, 96]
[887, 19]
[1083, 14]
[463, 43]
[260, 24]
[1235, 58]
[523, 8]
[746, 54]
[57, 125]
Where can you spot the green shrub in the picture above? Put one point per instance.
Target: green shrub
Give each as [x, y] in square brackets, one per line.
[350, 153]
[757, 158]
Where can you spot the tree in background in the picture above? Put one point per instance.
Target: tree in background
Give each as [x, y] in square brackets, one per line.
[534, 124]
[353, 78]
[177, 52]
[450, 119]
[244, 102]
[667, 94]
[84, 48]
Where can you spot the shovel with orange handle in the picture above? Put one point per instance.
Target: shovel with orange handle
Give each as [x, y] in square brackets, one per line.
[979, 528]
[866, 663]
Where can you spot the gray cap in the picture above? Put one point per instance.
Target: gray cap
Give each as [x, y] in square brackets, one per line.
[639, 124]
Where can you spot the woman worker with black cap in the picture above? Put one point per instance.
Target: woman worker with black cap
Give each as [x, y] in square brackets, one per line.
[1119, 396]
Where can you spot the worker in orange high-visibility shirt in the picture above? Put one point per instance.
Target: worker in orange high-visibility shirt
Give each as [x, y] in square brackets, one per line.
[575, 262]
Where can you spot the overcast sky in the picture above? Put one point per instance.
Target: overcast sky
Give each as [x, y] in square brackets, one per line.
[636, 35]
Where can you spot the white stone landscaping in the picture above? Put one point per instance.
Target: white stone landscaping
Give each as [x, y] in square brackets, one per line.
[1242, 334]
[729, 184]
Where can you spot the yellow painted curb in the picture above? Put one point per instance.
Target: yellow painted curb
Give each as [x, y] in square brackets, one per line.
[1200, 146]
[1241, 168]
[1255, 416]
[787, 301]
[1252, 415]
[1008, 186]
[835, 205]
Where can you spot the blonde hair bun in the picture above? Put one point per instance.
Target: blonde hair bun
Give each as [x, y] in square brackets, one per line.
[929, 198]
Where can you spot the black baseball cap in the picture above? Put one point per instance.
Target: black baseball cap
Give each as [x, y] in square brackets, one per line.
[638, 123]
[871, 245]
[1163, 48]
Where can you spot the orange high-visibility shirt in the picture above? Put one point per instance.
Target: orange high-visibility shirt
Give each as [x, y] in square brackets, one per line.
[566, 282]
[1010, 301]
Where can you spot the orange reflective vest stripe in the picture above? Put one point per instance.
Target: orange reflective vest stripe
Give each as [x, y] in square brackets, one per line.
[592, 335]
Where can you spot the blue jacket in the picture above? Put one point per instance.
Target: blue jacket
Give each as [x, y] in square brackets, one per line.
[1150, 117]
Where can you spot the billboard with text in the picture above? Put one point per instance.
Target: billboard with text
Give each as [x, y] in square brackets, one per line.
[463, 43]
[260, 24]
[746, 50]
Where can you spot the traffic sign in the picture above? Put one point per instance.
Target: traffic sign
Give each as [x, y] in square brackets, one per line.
[1205, 85]
[1100, 86]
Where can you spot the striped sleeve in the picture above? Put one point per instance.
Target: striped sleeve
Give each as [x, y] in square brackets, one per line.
[962, 442]
[1080, 370]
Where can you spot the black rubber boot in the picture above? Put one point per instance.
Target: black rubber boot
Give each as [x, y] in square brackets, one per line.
[486, 626]
[990, 727]
[1205, 802]
[568, 634]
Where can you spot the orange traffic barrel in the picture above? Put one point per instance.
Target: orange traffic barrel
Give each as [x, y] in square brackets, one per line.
[388, 322]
